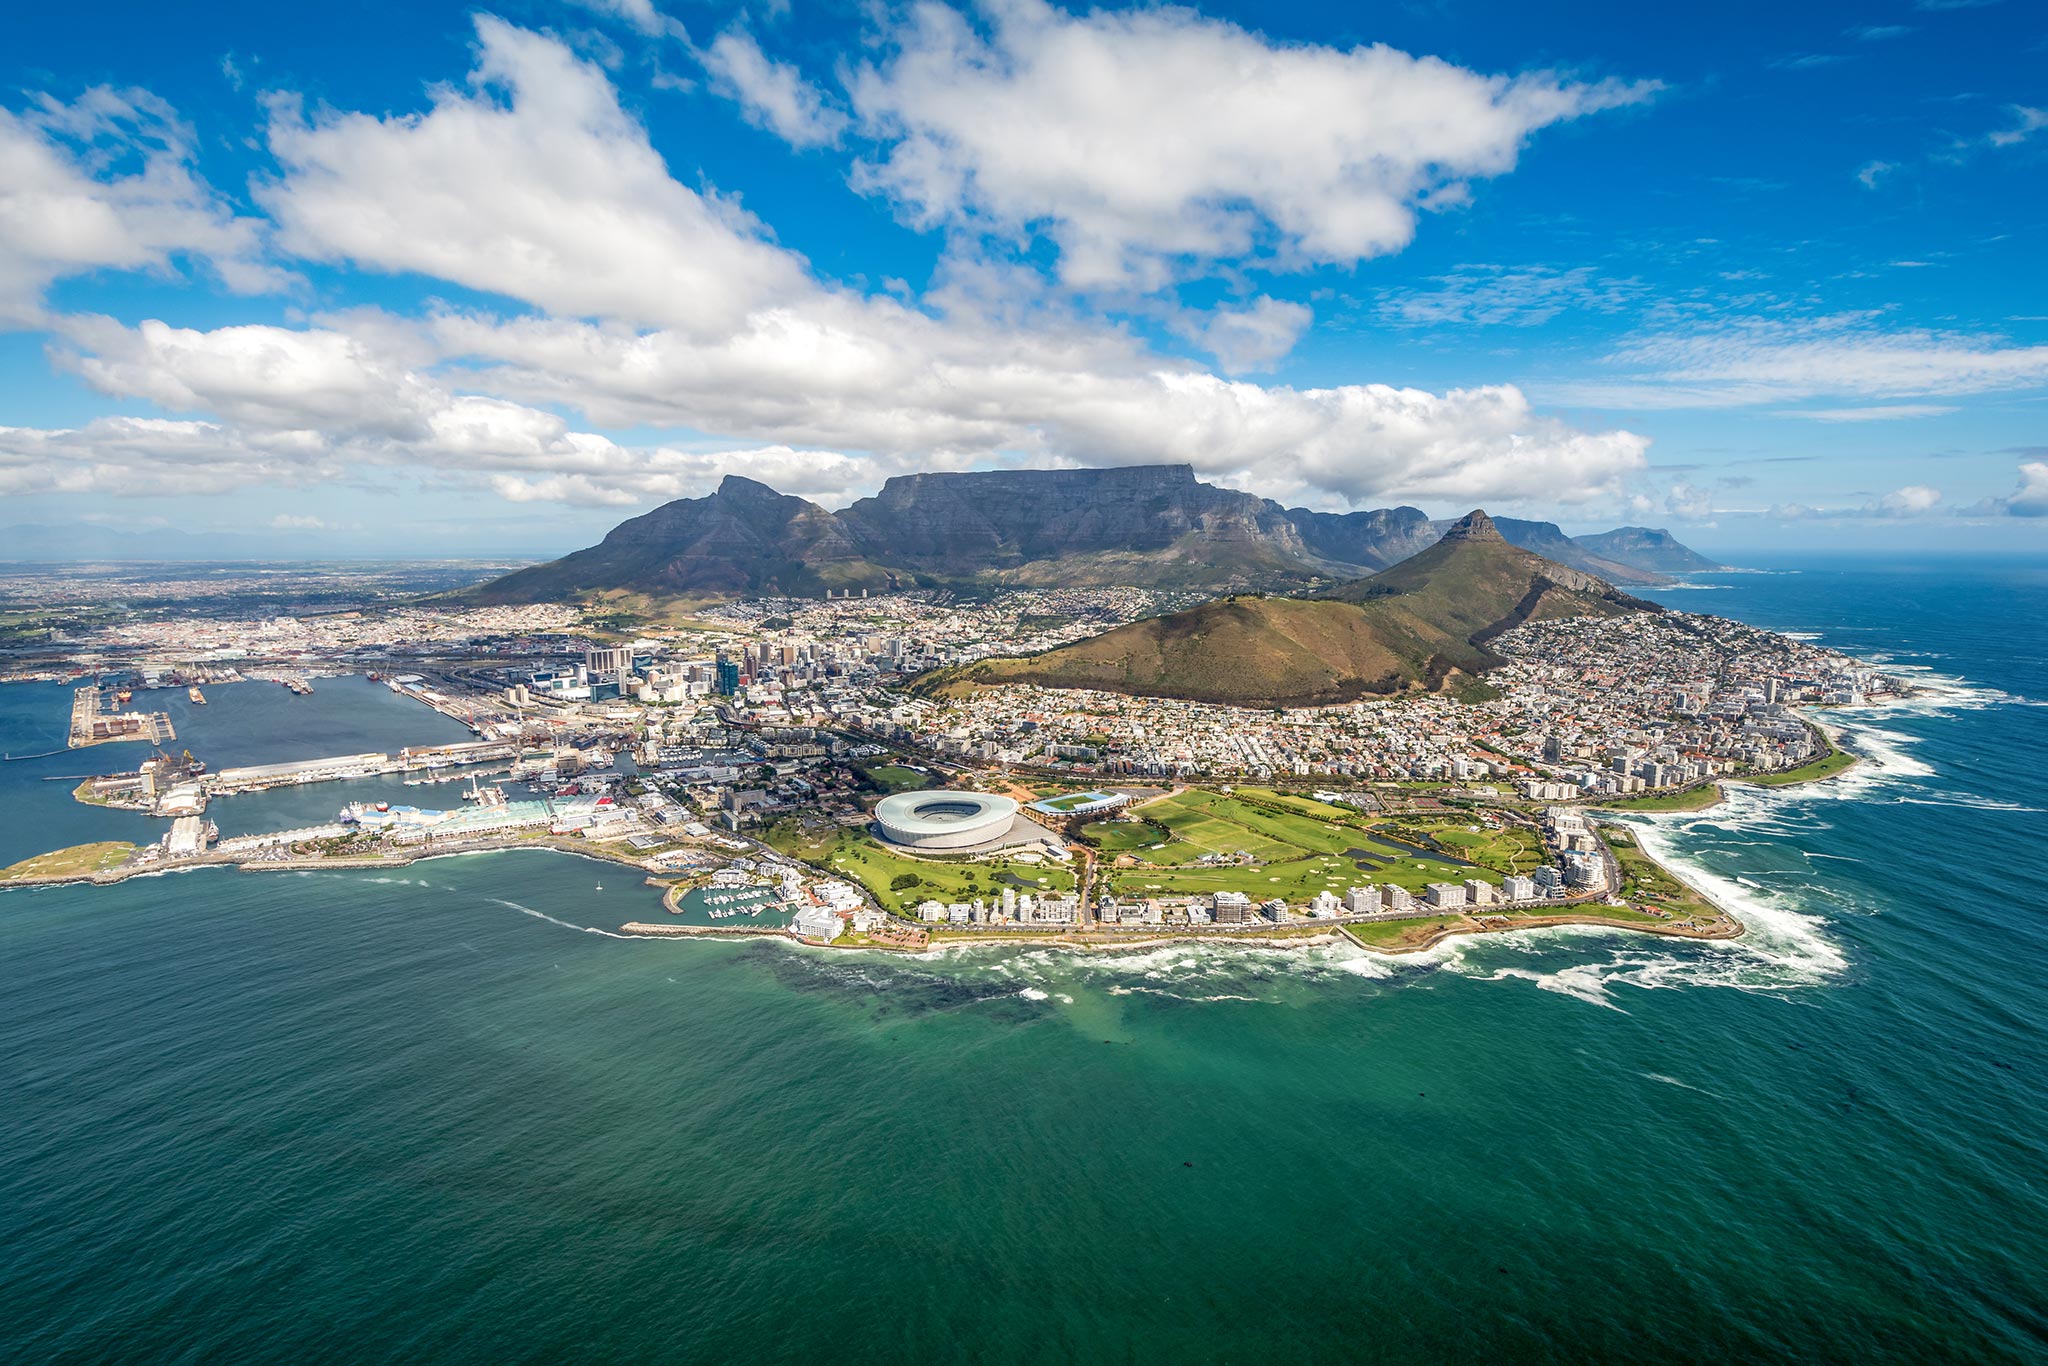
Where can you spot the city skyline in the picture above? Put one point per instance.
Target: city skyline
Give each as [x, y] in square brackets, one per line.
[493, 280]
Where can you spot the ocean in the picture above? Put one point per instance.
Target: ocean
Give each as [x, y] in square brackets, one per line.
[445, 1114]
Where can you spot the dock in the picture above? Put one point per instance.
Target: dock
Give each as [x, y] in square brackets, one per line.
[93, 722]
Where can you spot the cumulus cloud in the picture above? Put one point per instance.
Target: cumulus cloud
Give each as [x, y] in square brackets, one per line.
[773, 95]
[655, 304]
[2029, 499]
[1911, 501]
[66, 210]
[531, 183]
[1249, 338]
[1767, 360]
[1146, 140]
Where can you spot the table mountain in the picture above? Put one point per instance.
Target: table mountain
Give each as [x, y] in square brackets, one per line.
[1141, 524]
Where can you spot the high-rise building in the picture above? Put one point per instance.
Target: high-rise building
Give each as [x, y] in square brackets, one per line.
[728, 676]
[608, 663]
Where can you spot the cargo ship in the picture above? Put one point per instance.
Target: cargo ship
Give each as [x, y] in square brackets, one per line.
[198, 697]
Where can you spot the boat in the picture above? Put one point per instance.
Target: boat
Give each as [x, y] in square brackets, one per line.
[383, 806]
[198, 697]
[124, 696]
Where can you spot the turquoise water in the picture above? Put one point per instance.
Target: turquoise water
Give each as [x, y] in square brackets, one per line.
[444, 1115]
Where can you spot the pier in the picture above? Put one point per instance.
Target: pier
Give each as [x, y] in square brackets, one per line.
[94, 723]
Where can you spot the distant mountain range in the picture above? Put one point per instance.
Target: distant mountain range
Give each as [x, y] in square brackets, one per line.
[1415, 625]
[1143, 526]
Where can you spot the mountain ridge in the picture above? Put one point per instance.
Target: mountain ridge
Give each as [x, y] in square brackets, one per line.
[1140, 526]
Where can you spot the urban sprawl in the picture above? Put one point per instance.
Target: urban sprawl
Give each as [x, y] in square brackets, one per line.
[738, 758]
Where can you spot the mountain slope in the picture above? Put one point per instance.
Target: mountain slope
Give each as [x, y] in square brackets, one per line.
[1548, 540]
[1648, 548]
[1410, 626]
[743, 539]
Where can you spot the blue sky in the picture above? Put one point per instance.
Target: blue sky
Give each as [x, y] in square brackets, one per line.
[415, 278]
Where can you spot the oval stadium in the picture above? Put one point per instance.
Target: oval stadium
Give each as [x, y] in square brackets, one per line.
[944, 820]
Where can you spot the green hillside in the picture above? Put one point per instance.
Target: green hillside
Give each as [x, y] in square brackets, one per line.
[1412, 626]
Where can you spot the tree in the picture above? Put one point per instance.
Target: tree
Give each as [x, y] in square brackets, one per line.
[904, 881]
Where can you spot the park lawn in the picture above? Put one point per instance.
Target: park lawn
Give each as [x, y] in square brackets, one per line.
[1401, 934]
[1297, 880]
[1644, 881]
[1225, 824]
[1513, 850]
[897, 778]
[1307, 806]
[1827, 766]
[858, 856]
[1691, 799]
[1123, 837]
[72, 862]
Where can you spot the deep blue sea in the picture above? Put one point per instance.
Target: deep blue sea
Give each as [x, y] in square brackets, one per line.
[444, 1114]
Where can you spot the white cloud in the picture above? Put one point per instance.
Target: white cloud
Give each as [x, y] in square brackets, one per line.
[1914, 500]
[1767, 360]
[133, 457]
[1248, 338]
[2029, 499]
[1874, 171]
[1506, 296]
[1882, 412]
[289, 521]
[553, 196]
[774, 95]
[2026, 122]
[1145, 141]
[639, 14]
[64, 210]
[669, 308]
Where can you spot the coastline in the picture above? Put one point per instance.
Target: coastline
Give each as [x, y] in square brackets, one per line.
[1727, 925]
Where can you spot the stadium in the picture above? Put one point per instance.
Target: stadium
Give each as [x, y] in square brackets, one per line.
[944, 820]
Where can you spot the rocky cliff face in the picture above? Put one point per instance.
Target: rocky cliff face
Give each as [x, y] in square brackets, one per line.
[1549, 541]
[998, 520]
[745, 538]
[1364, 540]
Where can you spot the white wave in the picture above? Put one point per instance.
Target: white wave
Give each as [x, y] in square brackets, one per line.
[1684, 1085]
[586, 929]
[1034, 994]
[1969, 801]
